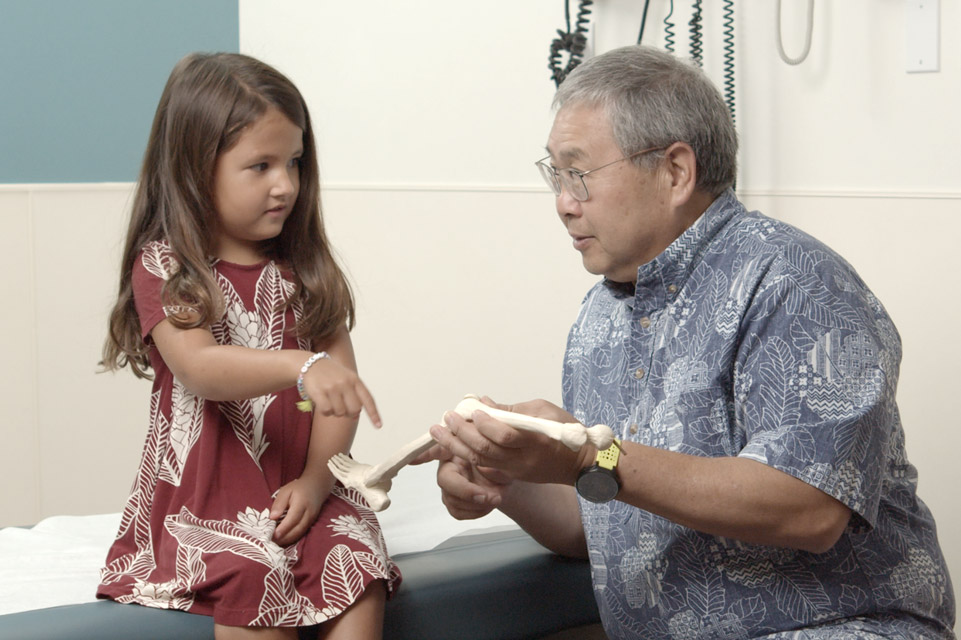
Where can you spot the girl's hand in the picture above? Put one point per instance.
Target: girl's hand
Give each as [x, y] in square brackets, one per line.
[338, 391]
[296, 506]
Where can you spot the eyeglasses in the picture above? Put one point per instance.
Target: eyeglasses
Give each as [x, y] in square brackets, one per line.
[573, 180]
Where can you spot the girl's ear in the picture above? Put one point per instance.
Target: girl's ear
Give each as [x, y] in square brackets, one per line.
[681, 167]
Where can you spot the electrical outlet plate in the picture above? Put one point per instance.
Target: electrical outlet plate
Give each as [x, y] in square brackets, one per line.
[922, 42]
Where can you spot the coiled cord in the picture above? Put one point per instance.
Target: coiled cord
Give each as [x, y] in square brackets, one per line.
[669, 30]
[583, 24]
[573, 42]
[729, 56]
[697, 39]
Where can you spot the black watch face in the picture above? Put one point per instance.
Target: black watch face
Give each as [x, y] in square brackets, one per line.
[597, 485]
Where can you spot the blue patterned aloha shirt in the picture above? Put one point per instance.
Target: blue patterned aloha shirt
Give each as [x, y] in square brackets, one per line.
[747, 337]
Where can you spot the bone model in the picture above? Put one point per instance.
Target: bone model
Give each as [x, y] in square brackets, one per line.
[373, 482]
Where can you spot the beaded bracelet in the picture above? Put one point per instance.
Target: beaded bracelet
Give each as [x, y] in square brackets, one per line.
[305, 403]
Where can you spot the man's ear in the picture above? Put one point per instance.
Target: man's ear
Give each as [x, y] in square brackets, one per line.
[681, 167]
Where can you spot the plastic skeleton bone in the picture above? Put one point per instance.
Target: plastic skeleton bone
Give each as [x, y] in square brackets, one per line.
[373, 482]
[573, 435]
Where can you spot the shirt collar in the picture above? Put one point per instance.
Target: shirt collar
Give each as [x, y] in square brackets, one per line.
[666, 275]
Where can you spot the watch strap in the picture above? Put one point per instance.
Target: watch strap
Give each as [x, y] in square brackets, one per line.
[607, 459]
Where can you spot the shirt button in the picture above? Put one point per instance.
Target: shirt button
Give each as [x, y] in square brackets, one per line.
[639, 373]
[645, 322]
[672, 288]
[633, 428]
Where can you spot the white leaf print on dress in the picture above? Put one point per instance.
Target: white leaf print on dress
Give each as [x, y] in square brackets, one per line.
[366, 530]
[341, 580]
[160, 595]
[159, 260]
[269, 297]
[186, 421]
[136, 513]
[251, 537]
[261, 328]
[247, 419]
[282, 606]
[187, 414]
[173, 594]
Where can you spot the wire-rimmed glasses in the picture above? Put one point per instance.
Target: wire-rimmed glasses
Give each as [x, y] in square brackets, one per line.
[572, 179]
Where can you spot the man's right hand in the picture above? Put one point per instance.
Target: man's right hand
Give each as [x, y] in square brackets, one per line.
[466, 492]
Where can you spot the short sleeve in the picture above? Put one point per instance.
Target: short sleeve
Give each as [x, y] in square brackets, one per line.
[151, 269]
[816, 382]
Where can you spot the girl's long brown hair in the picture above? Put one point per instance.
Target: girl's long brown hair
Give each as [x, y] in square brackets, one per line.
[208, 101]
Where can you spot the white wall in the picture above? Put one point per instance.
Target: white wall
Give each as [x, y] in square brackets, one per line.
[429, 116]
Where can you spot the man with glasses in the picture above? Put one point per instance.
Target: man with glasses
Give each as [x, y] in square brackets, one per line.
[758, 485]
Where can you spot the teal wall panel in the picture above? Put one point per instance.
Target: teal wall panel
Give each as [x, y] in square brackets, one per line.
[80, 80]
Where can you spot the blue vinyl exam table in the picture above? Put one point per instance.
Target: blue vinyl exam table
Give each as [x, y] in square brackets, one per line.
[487, 586]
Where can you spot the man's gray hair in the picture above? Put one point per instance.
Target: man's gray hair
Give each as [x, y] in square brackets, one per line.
[654, 99]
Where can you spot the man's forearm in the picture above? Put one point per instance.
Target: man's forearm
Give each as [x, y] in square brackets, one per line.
[549, 513]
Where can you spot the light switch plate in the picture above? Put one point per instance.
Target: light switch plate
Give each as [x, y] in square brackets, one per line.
[922, 42]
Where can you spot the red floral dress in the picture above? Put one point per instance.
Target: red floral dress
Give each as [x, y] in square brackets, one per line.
[194, 534]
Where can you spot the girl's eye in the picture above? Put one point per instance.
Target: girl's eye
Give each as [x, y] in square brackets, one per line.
[295, 162]
[260, 166]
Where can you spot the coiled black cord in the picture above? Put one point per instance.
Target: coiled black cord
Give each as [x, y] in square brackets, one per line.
[669, 30]
[697, 40]
[573, 42]
[583, 24]
[729, 56]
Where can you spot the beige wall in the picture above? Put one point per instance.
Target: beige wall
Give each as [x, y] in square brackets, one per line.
[466, 282]
[62, 423]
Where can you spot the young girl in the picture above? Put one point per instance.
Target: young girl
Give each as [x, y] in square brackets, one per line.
[230, 294]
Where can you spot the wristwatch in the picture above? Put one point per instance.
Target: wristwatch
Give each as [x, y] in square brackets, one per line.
[599, 482]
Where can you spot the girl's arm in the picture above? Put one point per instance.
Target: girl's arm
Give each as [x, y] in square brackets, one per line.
[298, 503]
[228, 372]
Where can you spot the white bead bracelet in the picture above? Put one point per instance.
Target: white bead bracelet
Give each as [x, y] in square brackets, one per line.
[305, 403]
